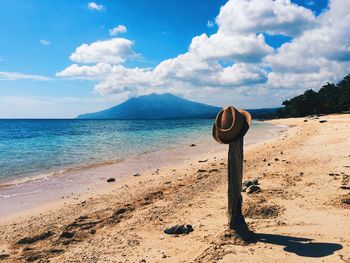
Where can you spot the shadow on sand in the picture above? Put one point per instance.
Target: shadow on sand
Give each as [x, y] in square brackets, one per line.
[300, 246]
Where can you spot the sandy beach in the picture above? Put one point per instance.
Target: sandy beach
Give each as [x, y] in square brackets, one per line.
[300, 215]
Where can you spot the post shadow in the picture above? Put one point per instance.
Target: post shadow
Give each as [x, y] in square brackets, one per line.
[300, 246]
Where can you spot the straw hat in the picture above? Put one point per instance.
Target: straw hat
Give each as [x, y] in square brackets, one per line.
[231, 124]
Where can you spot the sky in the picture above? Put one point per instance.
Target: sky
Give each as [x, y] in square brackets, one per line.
[62, 58]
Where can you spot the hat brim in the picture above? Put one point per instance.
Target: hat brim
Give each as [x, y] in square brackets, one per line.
[246, 124]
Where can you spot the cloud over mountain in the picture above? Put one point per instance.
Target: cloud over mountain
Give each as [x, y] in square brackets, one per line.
[235, 58]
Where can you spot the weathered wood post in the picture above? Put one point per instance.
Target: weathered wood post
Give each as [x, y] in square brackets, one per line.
[235, 175]
[229, 128]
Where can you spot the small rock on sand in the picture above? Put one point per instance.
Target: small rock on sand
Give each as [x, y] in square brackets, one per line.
[333, 174]
[192, 145]
[110, 180]
[253, 189]
[67, 234]
[346, 200]
[136, 174]
[248, 183]
[3, 256]
[203, 161]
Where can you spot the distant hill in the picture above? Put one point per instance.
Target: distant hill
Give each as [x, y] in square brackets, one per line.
[166, 106]
[155, 106]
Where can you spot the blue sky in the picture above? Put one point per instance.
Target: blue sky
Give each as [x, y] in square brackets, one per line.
[39, 39]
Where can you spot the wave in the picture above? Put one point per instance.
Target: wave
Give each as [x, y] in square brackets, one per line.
[45, 176]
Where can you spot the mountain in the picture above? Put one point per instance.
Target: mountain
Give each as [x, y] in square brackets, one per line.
[155, 106]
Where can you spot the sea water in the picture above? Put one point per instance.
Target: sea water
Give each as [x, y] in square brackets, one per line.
[34, 147]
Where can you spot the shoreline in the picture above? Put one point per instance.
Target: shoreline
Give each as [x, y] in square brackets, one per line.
[9, 181]
[300, 215]
[25, 194]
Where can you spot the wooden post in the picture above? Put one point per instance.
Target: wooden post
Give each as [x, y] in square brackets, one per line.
[235, 174]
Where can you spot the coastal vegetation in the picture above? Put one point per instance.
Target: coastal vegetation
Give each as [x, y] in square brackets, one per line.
[331, 98]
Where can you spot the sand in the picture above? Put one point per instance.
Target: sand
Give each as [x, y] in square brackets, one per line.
[301, 214]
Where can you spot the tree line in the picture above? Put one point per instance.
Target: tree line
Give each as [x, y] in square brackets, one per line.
[331, 98]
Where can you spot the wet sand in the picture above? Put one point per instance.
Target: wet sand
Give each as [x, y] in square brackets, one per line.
[301, 214]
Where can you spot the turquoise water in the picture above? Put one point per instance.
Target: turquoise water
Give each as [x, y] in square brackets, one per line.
[39, 146]
[29, 147]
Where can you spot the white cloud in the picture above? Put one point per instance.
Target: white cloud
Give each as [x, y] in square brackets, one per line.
[99, 70]
[235, 62]
[94, 6]
[19, 76]
[273, 17]
[114, 51]
[219, 46]
[117, 30]
[318, 55]
[210, 23]
[44, 42]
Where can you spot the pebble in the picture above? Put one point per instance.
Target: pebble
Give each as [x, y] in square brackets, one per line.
[333, 174]
[253, 189]
[248, 183]
[67, 234]
[110, 180]
[136, 174]
[192, 145]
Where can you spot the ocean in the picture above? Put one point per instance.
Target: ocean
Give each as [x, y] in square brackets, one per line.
[44, 147]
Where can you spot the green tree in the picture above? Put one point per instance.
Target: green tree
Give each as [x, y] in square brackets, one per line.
[330, 98]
